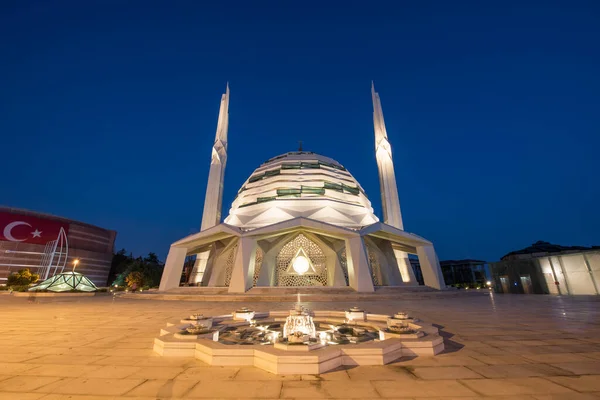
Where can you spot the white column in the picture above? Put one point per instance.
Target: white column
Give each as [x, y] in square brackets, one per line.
[406, 271]
[199, 267]
[359, 277]
[217, 275]
[335, 272]
[173, 268]
[242, 273]
[267, 270]
[430, 267]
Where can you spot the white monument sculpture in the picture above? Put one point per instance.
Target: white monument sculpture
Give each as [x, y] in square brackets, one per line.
[301, 219]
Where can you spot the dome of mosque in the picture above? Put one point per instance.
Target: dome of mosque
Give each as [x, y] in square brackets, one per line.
[301, 184]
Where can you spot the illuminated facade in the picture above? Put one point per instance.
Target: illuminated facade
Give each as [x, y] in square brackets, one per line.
[47, 245]
[301, 219]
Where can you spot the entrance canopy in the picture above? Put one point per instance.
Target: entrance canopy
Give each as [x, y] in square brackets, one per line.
[229, 256]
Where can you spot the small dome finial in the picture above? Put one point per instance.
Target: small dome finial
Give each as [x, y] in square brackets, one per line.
[299, 145]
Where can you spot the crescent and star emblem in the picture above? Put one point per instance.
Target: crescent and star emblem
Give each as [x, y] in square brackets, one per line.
[8, 231]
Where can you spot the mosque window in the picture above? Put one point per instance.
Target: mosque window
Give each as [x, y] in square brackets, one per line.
[334, 166]
[272, 172]
[350, 189]
[291, 166]
[334, 186]
[265, 199]
[289, 192]
[313, 190]
[303, 190]
[310, 165]
[258, 177]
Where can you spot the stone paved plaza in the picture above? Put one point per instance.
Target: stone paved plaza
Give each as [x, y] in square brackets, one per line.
[501, 346]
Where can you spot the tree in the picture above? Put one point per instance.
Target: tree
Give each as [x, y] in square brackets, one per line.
[150, 268]
[152, 258]
[119, 264]
[22, 277]
[135, 280]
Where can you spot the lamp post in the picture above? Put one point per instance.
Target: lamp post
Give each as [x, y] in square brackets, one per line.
[75, 262]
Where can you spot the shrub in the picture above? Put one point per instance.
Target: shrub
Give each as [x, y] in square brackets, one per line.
[22, 277]
[135, 279]
[4, 287]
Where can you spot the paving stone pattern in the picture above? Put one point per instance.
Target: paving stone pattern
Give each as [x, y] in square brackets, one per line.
[498, 346]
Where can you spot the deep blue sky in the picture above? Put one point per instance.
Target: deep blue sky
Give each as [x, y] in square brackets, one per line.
[108, 110]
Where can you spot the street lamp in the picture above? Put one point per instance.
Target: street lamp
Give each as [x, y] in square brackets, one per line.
[75, 262]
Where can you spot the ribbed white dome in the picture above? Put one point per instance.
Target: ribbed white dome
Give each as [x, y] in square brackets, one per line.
[301, 184]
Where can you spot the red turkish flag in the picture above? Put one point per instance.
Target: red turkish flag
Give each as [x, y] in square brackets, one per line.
[29, 229]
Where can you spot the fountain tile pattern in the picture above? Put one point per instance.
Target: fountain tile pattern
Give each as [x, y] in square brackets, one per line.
[500, 347]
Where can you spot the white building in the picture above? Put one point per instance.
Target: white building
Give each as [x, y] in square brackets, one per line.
[301, 219]
[546, 268]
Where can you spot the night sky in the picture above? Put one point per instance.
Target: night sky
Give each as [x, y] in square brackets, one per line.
[108, 110]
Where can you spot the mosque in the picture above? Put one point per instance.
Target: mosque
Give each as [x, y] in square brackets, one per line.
[301, 219]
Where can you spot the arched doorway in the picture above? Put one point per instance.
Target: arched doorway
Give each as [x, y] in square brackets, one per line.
[301, 245]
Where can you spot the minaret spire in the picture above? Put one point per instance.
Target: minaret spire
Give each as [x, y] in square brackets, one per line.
[214, 188]
[387, 181]
[213, 199]
[387, 178]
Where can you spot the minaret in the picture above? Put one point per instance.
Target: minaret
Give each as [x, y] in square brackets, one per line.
[213, 199]
[387, 181]
[214, 188]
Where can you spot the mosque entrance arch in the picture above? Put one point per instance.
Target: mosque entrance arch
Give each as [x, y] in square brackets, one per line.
[303, 253]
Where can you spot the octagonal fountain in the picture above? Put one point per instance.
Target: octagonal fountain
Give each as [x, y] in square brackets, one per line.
[299, 341]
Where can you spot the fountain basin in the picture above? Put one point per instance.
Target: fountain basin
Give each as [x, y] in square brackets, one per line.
[334, 343]
[198, 321]
[385, 334]
[298, 346]
[206, 334]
